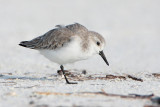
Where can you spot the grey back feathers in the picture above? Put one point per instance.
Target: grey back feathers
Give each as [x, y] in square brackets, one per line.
[77, 28]
[58, 37]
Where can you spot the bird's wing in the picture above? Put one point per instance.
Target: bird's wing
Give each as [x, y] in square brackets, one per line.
[53, 39]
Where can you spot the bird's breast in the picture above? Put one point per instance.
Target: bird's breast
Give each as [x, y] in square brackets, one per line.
[69, 53]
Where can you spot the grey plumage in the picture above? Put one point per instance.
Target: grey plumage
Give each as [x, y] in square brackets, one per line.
[54, 38]
[59, 36]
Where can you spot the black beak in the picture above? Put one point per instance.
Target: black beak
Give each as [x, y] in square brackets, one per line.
[103, 56]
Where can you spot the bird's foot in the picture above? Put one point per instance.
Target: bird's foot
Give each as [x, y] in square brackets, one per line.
[71, 82]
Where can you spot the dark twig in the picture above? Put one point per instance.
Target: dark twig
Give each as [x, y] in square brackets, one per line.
[135, 78]
[114, 77]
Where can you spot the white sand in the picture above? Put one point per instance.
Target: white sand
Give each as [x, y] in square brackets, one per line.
[131, 29]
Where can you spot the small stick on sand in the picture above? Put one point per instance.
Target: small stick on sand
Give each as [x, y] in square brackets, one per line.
[135, 78]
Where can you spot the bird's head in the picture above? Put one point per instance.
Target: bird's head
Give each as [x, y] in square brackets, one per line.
[98, 43]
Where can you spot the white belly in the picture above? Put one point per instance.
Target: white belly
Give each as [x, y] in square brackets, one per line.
[67, 54]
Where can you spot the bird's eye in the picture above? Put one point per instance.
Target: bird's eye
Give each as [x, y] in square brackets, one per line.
[98, 43]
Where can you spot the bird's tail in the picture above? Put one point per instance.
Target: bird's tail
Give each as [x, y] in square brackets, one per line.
[27, 44]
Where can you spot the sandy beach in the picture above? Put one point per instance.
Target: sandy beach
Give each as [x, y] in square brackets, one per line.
[131, 30]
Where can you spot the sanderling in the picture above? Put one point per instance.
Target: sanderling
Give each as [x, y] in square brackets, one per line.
[68, 44]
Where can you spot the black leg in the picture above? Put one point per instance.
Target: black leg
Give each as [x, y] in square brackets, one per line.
[62, 68]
